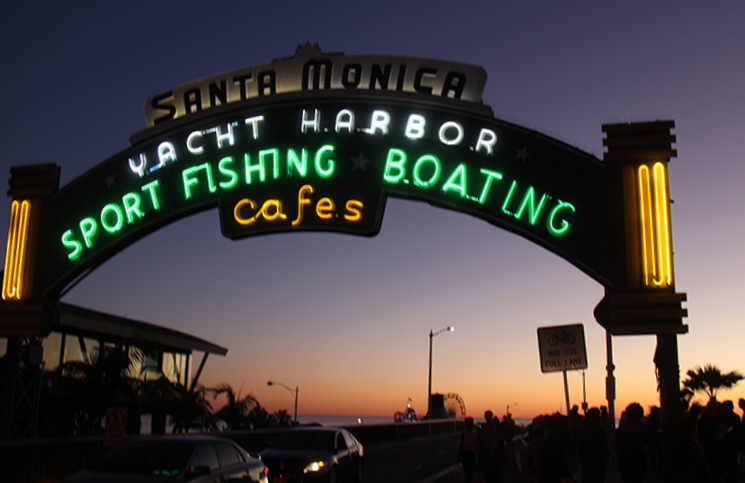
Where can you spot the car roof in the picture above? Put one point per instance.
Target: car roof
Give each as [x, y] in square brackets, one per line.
[189, 438]
[326, 429]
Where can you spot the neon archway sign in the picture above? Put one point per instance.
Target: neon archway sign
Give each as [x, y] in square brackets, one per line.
[320, 142]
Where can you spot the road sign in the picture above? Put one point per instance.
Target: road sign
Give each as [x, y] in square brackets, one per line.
[562, 348]
[116, 422]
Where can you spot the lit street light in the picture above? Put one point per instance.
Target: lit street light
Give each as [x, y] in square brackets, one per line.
[429, 391]
[273, 383]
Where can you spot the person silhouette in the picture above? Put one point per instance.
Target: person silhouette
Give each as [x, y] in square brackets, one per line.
[594, 450]
[467, 449]
[490, 448]
[631, 447]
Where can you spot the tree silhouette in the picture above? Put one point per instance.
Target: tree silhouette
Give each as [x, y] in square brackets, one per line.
[281, 418]
[260, 418]
[159, 396]
[77, 395]
[709, 380]
[191, 410]
[235, 411]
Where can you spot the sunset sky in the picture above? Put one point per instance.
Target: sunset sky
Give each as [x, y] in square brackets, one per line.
[345, 318]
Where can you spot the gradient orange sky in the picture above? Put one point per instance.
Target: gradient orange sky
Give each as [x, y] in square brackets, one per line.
[347, 319]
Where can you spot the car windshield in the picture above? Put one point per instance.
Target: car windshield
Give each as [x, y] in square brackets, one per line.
[318, 440]
[157, 458]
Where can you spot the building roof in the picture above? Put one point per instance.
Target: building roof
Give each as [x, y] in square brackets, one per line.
[91, 323]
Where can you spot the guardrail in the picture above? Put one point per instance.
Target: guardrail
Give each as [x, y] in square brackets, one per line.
[49, 460]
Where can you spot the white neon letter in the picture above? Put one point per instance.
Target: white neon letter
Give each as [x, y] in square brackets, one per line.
[222, 137]
[190, 143]
[138, 168]
[379, 121]
[487, 140]
[458, 136]
[345, 120]
[166, 152]
[254, 122]
[314, 123]
[415, 126]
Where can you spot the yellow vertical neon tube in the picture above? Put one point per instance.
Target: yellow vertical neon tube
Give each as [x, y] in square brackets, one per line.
[655, 226]
[15, 253]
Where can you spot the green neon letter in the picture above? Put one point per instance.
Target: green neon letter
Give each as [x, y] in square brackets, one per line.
[274, 153]
[131, 202]
[253, 168]
[151, 188]
[230, 174]
[529, 199]
[426, 183]
[507, 200]
[119, 217]
[457, 181]
[565, 225]
[190, 179]
[71, 243]
[395, 161]
[490, 177]
[300, 163]
[328, 170]
[88, 228]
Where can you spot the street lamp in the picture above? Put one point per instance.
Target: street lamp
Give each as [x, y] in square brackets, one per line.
[273, 383]
[429, 391]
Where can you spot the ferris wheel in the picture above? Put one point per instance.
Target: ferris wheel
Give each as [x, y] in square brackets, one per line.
[454, 405]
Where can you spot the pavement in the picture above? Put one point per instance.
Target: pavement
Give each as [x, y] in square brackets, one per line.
[454, 474]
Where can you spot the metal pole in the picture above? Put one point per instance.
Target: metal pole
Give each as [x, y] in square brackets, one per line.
[296, 388]
[584, 393]
[272, 383]
[610, 380]
[566, 391]
[429, 389]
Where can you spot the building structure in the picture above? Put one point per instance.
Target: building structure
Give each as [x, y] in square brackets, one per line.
[80, 335]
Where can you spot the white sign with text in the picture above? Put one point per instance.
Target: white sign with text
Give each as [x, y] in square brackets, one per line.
[562, 348]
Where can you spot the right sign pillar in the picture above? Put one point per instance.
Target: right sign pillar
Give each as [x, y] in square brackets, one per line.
[642, 300]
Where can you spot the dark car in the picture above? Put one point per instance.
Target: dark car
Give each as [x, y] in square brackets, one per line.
[314, 454]
[198, 459]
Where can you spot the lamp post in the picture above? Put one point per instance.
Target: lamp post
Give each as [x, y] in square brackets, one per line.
[429, 390]
[272, 383]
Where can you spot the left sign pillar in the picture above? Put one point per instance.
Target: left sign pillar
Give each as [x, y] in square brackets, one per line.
[24, 315]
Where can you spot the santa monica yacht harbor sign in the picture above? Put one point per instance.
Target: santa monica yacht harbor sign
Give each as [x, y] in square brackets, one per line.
[319, 142]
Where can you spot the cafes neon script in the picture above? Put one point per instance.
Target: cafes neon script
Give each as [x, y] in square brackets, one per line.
[324, 167]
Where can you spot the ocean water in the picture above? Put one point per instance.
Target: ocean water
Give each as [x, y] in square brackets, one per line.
[332, 421]
[354, 420]
[343, 420]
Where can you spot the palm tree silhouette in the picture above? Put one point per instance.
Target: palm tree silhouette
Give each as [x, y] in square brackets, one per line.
[235, 412]
[709, 380]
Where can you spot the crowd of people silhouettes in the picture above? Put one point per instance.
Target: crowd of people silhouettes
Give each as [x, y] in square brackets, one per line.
[707, 447]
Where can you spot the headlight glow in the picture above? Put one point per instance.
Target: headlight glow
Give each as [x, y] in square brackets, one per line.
[314, 466]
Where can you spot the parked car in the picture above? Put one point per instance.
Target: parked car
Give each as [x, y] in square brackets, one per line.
[197, 459]
[314, 454]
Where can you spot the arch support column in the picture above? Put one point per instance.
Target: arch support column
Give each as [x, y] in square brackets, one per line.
[642, 300]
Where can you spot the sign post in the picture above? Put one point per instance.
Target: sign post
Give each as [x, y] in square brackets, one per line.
[562, 348]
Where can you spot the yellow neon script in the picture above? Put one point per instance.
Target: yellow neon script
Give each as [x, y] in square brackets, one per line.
[247, 211]
[15, 254]
[655, 226]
